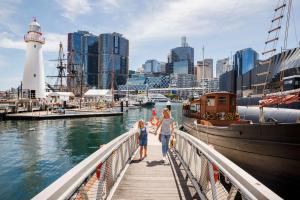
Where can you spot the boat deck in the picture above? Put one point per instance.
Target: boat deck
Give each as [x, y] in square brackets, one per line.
[152, 179]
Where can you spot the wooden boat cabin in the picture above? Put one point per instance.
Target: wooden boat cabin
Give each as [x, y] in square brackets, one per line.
[217, 108]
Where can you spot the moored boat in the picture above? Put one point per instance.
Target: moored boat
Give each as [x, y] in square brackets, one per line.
[270, 151]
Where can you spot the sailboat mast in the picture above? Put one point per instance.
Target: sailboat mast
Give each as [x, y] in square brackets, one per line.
[286, 34]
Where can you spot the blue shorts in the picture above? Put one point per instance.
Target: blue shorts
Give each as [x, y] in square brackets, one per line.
[143, 140]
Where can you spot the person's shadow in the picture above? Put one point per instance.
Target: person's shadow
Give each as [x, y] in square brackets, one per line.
[154, 163]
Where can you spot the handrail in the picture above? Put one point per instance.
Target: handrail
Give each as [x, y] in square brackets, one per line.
[192, 151]
[67, 185]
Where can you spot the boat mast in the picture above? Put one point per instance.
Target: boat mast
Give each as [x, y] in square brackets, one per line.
[272, 40]
[61, 66]
[286, 34]
[202, 70]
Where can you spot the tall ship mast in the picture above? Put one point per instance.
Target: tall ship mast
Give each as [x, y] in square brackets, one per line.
[60, 83]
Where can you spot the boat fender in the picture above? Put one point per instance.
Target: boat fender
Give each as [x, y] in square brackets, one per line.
[98, 170]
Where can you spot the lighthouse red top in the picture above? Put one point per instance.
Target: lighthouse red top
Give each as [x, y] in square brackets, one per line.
[34, 33]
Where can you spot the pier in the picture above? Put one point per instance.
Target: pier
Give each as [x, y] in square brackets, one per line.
[42, 115]
[194, 170]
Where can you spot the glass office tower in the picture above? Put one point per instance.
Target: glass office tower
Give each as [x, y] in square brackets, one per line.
[113, 60]
[89, 47]
[182, 59]
[245, 60]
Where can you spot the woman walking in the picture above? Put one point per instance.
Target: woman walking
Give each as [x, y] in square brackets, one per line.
[167, 129]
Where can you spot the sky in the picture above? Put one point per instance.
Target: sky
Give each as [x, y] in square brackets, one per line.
[153, 27]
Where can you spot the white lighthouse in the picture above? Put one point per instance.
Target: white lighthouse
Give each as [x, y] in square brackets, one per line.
[33, 77]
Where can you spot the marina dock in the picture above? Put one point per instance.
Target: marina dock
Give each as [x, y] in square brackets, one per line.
[42, 115]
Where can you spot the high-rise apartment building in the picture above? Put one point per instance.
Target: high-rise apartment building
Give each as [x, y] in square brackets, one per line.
[113, 60]
[207, 69]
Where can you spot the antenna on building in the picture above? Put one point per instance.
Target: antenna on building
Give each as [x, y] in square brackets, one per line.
[183, 41]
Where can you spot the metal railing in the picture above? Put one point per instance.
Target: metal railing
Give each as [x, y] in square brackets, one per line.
[95, 176]
[213, 175]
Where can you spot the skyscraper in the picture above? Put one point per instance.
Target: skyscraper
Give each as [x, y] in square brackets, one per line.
[89, 48]
[208, 69]
[244, 60]
[113, 60]
[222, 66]
[75, 60]
[152, 66]
[181, 59]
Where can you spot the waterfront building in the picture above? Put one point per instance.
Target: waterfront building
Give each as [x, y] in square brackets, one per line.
[89, 49]
[33, 83]
[255, 80]
[182, 80]
[163, 67]
[222, 66]
[113, 60]
[181, 59]
[208, 69]
[227, 81]
[142, 82]
[151, 66]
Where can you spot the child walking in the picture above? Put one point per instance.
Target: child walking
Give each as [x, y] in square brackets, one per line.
[143, 138]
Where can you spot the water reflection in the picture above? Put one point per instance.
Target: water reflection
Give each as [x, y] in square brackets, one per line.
[35, 153]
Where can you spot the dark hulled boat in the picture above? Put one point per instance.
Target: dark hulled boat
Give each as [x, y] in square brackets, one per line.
[269, 151]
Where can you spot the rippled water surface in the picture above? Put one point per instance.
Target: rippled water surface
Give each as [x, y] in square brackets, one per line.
[33, 154]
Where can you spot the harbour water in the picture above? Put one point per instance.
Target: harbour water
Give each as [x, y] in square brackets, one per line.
[36, 153]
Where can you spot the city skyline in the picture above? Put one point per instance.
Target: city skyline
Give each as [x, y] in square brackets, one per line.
[152, 29]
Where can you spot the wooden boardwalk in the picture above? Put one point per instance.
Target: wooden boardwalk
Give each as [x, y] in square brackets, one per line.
[152, 179]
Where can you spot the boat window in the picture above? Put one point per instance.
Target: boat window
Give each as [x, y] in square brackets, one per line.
[210, 101]
[232, 101]
[222, 100]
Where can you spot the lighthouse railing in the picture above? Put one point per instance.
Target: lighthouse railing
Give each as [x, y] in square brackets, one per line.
[213, 175]
[95, 176]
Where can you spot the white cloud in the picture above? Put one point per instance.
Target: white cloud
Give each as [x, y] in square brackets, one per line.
[53, 40]
[51, 44]
[73, 8]
[7, 9]
[169, 19]
[7, 41]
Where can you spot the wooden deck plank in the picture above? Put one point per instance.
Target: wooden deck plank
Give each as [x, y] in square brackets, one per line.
[149, 178]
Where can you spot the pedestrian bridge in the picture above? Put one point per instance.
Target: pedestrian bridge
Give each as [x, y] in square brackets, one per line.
[194, 170]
